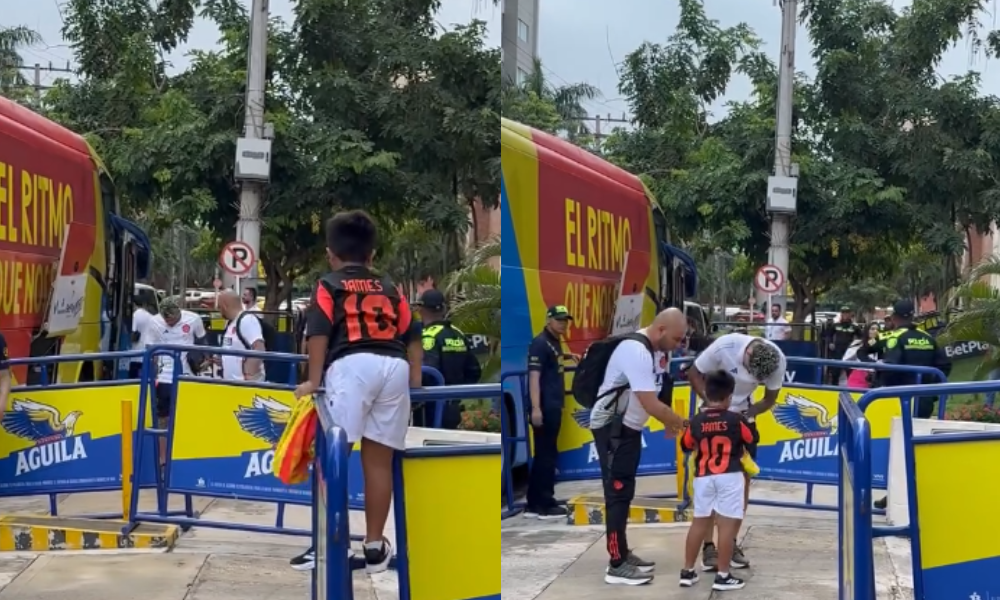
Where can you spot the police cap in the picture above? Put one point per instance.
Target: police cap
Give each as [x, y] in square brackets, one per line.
[903, 309]
[431, 300]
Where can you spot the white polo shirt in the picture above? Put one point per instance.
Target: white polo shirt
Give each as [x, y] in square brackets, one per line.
[189, 328]
[727, 354]
[252, 332]
[778, 329]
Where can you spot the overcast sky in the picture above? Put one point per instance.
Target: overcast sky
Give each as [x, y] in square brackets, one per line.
[580, 40]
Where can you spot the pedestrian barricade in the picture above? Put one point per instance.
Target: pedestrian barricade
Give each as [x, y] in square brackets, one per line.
[64, 442]
[66, 438]
[510, 439]
[798, 442]
[798, 437]
[219, 443]
[954, 556]
[463, 537]
[856, 571]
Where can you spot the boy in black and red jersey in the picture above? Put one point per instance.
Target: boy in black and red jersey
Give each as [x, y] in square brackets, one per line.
[720, 438]
[365, 350]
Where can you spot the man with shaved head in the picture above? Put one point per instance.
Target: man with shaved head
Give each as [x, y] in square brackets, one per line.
[243, 332]
[627, 398]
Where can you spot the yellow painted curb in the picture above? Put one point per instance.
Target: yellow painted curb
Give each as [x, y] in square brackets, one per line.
[30, 533]
[589, 510]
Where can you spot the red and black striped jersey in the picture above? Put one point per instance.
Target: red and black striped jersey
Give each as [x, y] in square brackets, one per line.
[359, 311]
[720, 438]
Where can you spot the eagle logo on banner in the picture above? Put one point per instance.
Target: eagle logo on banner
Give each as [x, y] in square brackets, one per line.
[39, 423]
[265, 419]
[806, 417]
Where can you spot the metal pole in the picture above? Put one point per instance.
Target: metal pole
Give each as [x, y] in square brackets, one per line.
[252, 195]
[173, 264]
[781, 222]
[183, 234]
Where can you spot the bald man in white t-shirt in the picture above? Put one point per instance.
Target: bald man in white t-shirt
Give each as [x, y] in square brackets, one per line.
[629, 395]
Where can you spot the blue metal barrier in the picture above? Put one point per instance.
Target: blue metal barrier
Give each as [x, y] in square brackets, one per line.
[856, 568]
[864, 554]
[824, 470]
[239, 429]
[332, 578]
[79, 448]
[510, 440]
[331, 516]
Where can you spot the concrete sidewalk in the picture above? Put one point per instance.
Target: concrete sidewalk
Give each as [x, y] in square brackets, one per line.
[207, 564]
[794, 554]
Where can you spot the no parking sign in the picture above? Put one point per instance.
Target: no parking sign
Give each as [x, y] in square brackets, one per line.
[769, 279]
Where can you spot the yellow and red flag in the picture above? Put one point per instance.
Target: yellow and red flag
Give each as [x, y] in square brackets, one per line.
[297, 447]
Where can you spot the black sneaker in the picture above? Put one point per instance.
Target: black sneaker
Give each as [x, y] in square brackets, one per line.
[727, 583]
[377, 559]
[644, 566]
[882, 504]
[553, 513]
[305, 561]
[626, 574]
[689, 578]
[531, 512]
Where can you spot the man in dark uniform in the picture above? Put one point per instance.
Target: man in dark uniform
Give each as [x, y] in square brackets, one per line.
[5, 378]
[547, 388]
[907, 345]
[447, 350]
[842, 335]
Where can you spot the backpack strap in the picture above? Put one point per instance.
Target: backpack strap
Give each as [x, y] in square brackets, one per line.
[618, 391]
[239, 334]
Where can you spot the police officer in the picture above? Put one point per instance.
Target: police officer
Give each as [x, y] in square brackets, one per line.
[843, 333]
[907, 345]
[447, 350]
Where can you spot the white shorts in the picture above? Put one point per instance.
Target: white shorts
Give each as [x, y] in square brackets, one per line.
[721, 494]
[369, 397]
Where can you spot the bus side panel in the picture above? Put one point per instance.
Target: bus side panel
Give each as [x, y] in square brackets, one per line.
[591, 224]
[572, 229]
[45, 183]
[515, 325]
[91, 335]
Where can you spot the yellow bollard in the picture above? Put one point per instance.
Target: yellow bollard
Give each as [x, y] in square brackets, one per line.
[127, 435]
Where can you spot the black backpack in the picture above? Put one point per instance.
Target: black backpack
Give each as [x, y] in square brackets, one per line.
[267, 330]
[594, 365]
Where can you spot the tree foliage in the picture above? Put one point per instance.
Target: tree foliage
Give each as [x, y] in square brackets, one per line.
[12, 41]
[891, 158]
[538, 102]
[372, 107]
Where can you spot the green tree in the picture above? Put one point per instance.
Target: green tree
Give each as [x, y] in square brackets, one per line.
[12, 41]
[979, 319]
[372, 108]
[536, 95]
[530, 109]
[477, 287]
[889, 156]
